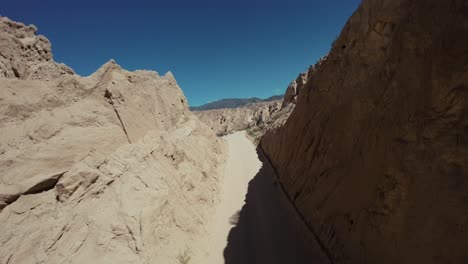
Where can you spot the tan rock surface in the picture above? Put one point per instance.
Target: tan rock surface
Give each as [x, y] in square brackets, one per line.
[375, 154]
[110, 168]
[229, 120]
[256, 118]
[260, 117]
[25, 55]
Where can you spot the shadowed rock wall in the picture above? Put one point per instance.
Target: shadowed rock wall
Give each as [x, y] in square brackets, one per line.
[375, 153]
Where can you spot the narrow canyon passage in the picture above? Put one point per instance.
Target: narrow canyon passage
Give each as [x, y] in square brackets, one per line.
[254, 222]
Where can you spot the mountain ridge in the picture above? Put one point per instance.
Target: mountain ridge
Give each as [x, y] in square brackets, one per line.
[226, 103]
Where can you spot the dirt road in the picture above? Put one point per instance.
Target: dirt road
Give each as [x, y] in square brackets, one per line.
[254, 222]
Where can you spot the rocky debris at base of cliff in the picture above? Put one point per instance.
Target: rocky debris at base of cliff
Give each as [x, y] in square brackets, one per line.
[109, 168]
[375, 153]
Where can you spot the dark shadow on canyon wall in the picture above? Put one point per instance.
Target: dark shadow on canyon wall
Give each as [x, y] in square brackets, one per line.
[268, 230]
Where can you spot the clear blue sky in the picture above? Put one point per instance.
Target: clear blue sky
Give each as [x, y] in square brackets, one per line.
[216, 49]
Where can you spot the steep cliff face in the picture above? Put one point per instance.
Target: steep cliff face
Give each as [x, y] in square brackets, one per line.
[110, 168]
[375, 154]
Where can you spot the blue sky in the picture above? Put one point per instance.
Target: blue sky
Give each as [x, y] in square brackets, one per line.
[216, 49]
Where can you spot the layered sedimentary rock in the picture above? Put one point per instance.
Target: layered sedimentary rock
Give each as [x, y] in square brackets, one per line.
[110, 168]
[375, 154]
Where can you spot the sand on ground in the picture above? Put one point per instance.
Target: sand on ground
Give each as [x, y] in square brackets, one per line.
[254, 222]
[242, 165]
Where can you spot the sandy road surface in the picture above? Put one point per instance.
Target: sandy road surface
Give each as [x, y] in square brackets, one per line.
[254, 222]
[242, 165]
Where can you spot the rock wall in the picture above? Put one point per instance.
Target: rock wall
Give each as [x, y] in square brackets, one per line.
[110, 168]
[375, 153]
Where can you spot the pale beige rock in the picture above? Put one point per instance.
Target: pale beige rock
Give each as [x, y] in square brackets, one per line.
[229, 120]
[145, 203]
[110, 168]
[257, 118]
[25, 55]
[48, 126]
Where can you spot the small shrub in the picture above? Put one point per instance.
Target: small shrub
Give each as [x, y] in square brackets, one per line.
[184, 258]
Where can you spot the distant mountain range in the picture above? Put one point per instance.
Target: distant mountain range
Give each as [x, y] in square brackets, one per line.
[233, 103]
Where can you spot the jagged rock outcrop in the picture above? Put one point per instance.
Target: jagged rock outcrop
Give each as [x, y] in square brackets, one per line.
[110, 168]
[228, 120]
[290, 96]
[295, 87]
[258, 117]
[25, 55]
[375, 154]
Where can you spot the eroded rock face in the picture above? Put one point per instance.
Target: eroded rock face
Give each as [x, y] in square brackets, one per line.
[259, 117]
[110, 168]
[375, 154]
[295, 87]
[228, 120]
[25, 55]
